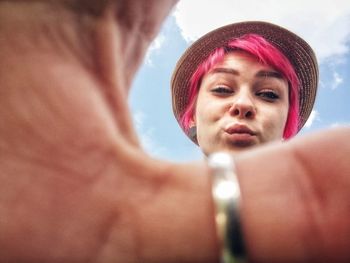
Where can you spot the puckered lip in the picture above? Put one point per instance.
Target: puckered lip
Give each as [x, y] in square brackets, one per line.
[239, 129]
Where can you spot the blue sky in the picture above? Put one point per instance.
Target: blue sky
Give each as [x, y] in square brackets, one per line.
[324, 24]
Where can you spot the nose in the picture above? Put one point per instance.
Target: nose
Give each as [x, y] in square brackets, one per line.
[243, 107]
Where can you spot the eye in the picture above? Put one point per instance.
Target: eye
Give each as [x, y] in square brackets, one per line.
[268, 95]
[222, 91]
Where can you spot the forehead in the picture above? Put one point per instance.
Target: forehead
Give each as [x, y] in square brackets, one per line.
[238, 58]
[237, 63]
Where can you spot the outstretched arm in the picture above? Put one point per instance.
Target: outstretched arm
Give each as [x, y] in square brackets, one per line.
[76, 187]
[296, 199]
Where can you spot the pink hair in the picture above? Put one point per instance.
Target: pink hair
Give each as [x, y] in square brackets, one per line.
[267, 54]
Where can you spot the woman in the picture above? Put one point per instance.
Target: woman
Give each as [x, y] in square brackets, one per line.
[73, 190]
[243, 85]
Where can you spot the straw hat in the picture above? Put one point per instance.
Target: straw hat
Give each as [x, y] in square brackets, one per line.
[293, 47]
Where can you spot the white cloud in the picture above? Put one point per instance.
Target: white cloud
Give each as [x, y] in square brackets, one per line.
[313, 116]
[146, 135]
[337, 80]
[338, 124]
[325, 25]
[155, 45]
[321, 84]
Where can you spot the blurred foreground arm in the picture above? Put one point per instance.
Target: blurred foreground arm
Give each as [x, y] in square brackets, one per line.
[75, 185]
[296, 199]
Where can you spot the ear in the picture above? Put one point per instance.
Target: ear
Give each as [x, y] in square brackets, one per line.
[192, 132]
[193, 121]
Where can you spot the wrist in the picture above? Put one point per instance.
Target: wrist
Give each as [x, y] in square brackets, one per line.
[227, 197]
[273, 213]
[177, 221]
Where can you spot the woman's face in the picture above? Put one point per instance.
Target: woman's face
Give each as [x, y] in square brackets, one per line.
[241, 103]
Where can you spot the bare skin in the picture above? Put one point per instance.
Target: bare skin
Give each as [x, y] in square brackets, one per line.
[233, 95]
[76, 187]
[67, 144]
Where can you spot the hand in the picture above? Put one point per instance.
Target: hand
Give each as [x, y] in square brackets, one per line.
[296, 199]
[74, 184]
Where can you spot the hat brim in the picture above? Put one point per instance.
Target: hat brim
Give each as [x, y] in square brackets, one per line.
[292, 46]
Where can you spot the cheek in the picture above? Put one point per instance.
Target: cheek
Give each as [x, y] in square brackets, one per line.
[284, 115]
[201, 112]
[202, 119]
[209, 110]
[274, 123]
[278, 123]
[207, 114]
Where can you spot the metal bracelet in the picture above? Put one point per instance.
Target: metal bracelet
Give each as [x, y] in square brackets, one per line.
[226, 196]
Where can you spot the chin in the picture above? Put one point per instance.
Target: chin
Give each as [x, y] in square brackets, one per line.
[240, 147]
[230, 149]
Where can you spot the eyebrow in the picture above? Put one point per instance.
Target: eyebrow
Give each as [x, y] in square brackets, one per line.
[225, 70]
[261, 73]
[269, 74]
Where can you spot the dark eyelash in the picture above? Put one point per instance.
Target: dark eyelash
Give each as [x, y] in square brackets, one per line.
[222, 90]
[270, 95]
